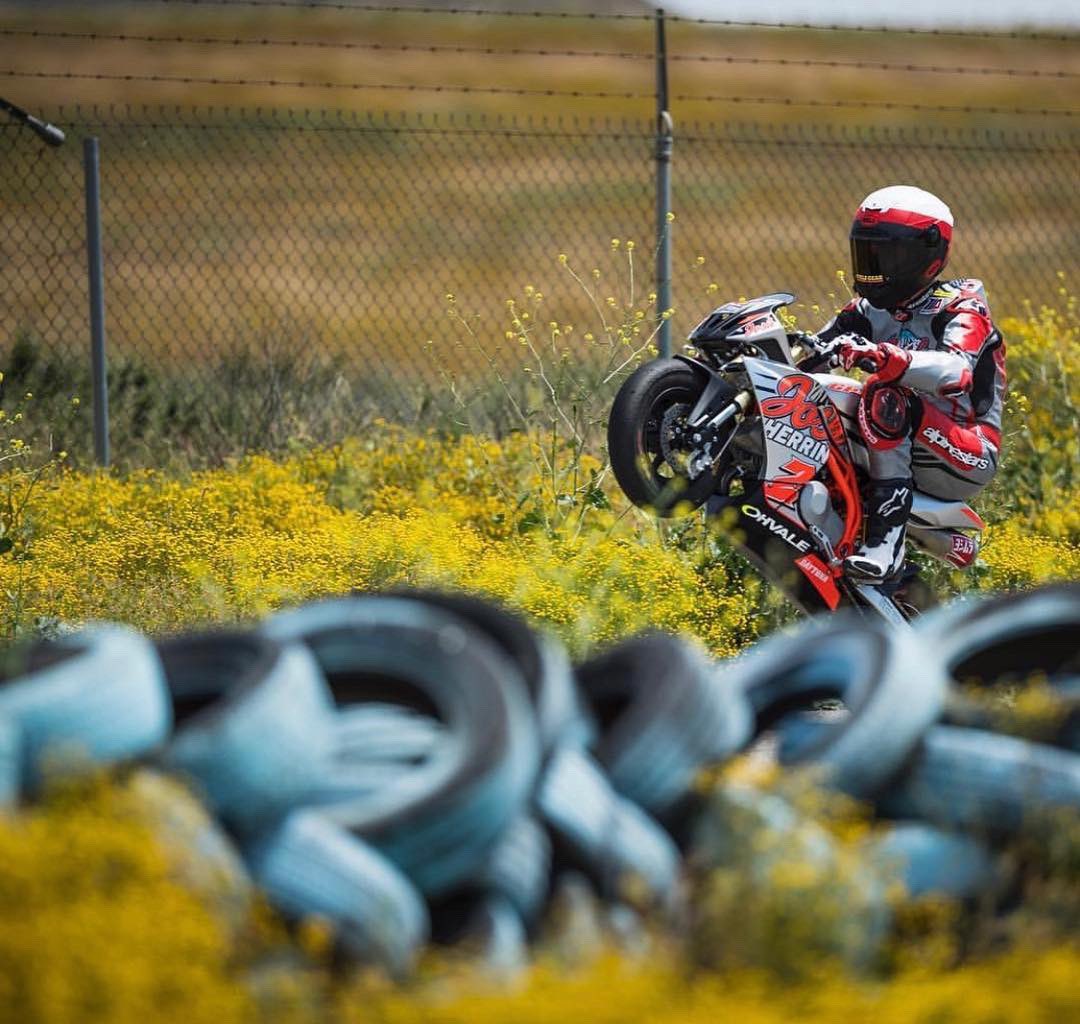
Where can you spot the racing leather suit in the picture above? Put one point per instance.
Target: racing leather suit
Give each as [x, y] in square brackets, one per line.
[957, 375]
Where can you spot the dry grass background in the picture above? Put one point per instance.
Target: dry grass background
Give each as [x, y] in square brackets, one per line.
[326, 255]
[388, 66]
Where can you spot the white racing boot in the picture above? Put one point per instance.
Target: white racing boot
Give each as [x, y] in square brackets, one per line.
[888, 505]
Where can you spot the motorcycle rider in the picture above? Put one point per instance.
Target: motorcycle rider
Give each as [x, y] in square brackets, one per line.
[930, 411]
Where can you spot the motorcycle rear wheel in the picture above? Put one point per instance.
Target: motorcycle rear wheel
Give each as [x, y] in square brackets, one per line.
[647, 456]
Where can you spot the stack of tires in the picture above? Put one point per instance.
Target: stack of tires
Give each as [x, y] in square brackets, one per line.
[923, 730]
[417, 766]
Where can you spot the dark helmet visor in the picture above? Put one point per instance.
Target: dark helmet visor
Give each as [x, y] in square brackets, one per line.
[891, 262]
[879, 255]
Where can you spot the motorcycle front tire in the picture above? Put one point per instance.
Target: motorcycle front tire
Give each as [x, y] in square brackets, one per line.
[634, 438]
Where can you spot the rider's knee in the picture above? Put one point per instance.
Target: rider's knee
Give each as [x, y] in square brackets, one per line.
[888, 415]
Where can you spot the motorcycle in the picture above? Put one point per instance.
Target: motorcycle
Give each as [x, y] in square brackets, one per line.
[746, 425]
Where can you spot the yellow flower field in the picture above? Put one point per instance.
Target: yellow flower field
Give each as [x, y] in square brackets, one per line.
[233, 543]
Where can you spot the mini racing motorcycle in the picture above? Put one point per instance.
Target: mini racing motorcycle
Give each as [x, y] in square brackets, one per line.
[745, 426]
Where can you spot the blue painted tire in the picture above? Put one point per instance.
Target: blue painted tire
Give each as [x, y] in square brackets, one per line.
[932, 861]
[379, 746]
[519, 868]
[97, 695]
[890, 681]
[1010, 637]
[10, 763]
[253, 723]
[494, 938]
[308, 865]
[600, 833]
[540, 658]
[975, 780]
[437, 824]
[663, 713]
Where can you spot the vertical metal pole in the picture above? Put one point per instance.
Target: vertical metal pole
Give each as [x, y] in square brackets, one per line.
[664, 140]
[92, 176]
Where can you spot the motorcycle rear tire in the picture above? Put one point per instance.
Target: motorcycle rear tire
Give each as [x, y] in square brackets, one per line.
[634, 438]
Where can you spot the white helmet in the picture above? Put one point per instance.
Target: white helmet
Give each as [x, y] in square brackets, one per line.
[899, 243]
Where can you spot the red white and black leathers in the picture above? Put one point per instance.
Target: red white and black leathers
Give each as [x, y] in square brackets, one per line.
[943, 357]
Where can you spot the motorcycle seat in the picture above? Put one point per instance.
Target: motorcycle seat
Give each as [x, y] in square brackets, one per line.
[935, 514]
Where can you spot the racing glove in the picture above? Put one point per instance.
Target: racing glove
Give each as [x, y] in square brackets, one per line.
[886, 362]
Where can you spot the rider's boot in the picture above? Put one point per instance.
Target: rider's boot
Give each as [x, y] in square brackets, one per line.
[888, 505]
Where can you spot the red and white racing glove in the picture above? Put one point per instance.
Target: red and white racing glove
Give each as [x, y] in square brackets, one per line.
[886, 362]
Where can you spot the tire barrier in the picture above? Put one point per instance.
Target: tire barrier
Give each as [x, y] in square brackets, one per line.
[439, 818]
[519, 868]
[541, 660]
[608, 838]
[308, 865]
[892, 690]
[253, 722]
[970, 779]
[934, 862]
[89, 697]
[662, 714]
[1009, 638]
[10, 763]
[495, 937]
[418, 766]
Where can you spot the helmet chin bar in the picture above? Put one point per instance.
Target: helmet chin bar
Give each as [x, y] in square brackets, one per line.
[885, 296]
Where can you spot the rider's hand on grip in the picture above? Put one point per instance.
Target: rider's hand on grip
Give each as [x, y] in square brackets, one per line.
[821, 353]
[855, 350]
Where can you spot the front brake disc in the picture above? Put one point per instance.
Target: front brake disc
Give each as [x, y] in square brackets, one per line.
[678, 458]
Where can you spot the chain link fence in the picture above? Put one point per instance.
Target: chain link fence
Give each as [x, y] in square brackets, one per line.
[271, 276]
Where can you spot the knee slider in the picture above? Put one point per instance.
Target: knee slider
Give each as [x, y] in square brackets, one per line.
[889, 412]
[887, 415]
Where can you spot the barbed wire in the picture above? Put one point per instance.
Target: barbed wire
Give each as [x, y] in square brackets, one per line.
[859, 65]
[932, 108]
[612, 16]
[878, 65]
[911, 30]
[400, 9]
[922, 134]
[560, 93]
[299, 84]
[325, 45]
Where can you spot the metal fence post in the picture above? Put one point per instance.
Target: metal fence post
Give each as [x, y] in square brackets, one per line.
[664, 141]
[92, 176]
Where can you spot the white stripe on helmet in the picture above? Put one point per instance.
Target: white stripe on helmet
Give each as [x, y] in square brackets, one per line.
[909, 198]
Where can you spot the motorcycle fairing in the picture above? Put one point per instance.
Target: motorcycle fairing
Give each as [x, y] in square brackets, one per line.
[775, 546]
[755, 322]
[803, 432]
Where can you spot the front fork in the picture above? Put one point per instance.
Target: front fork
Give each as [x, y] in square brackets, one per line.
[717, 406]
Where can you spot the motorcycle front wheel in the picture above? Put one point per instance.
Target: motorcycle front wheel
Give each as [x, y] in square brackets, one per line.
[648, 439]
